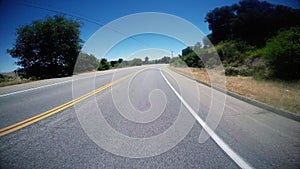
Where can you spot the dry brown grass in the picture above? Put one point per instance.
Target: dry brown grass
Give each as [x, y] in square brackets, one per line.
[14, 82]
[282, 95]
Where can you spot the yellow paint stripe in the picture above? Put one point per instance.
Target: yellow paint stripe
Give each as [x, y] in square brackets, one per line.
[34, 119]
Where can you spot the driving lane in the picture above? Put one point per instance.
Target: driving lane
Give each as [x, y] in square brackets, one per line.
[24, 102]
[66, 139]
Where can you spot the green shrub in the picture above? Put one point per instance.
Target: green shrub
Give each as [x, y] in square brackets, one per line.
[104, 65]
[5, 78]
[245, 71]
[283, 54]
[241, 71]
[178, 63]
[135, 62]
[233, 52]
[256, 53]
[231, 71]
[211, 63]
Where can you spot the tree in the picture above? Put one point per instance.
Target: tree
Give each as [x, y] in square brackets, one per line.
[120, 60]
[220, 23]
[283, 54]
[104, 65]
[197, 46]
[114, 63]
[252, 21]
[186, 50]
[192, 60]
[135, 62]
[146, 60]
[206, 42]
[165, 59]
[233, 52]
[47, 48]
[85, 63]
[177, 62]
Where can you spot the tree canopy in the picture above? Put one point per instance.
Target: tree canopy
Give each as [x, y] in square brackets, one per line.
[47, 48]
[282, 53]
[104, 64]
[135, 62]
[85, 63]
[251, 21]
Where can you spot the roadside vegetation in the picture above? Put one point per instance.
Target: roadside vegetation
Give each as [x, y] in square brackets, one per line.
[252, 38]
[259, 46]
[106, 65]
[50, 48]
[47, 48]
[277, 93]
[12, 79]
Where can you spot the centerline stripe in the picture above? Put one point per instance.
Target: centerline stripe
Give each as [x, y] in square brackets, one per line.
[29, 121]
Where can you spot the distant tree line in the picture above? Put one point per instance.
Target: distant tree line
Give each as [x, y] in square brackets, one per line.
[105, 64]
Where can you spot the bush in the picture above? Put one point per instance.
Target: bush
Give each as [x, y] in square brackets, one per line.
[211, 63]
[233, 52]
[104, 65]
[231, 71]
[135, 62]
[85, 63]
[256, 53]
[259, 68]
[242, 71]
[192, 60]
[5, 78]
[283, 54]
[178, 63]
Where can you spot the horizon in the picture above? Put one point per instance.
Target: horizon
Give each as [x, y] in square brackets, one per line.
[94, 15]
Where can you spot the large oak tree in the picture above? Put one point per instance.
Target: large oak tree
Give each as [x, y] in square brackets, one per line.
[252, 21]
[47, 48]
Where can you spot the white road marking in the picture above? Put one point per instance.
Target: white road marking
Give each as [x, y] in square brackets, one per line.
[233, 155]
[57, 83]
[94, 75]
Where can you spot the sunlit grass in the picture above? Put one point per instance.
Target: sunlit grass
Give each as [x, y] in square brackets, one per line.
[279, 94]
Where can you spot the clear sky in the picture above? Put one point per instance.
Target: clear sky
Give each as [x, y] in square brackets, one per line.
[93, 14]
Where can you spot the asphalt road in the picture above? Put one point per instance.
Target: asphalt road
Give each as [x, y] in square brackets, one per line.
[143, 118]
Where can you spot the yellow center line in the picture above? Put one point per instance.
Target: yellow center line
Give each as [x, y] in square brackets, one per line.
[34, 119]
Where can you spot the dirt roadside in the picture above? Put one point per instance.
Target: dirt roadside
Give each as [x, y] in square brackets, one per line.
[282, 95]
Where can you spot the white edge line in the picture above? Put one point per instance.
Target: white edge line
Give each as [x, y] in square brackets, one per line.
[57, 83]
[30, 89]
[26, 90]
[233, 155]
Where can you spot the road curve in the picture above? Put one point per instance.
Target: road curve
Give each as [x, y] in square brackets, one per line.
[63, 139]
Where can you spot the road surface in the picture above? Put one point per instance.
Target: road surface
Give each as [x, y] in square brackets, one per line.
[139, 103]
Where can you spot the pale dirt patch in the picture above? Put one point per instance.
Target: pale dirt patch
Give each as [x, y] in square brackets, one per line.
[282, 95]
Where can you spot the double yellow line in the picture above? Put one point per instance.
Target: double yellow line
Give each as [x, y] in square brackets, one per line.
[34, 119]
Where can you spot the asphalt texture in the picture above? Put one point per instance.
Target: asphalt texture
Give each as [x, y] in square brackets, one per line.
[154, 129]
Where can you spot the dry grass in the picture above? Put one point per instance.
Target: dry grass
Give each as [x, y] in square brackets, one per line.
[282, 95]
[14, 82]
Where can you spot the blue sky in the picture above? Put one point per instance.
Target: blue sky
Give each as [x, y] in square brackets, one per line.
[135, 48]
[14, 14]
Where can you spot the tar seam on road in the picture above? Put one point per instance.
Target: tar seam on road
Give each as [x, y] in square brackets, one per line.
[34, 119]
[233, 155]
